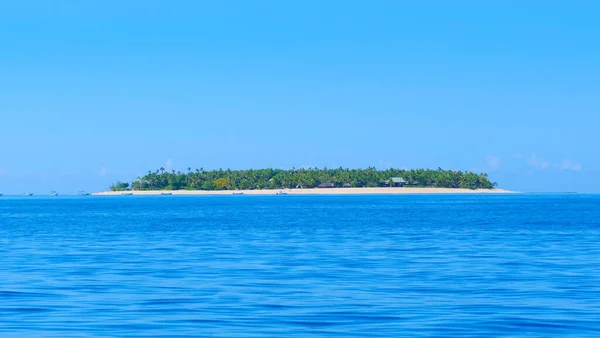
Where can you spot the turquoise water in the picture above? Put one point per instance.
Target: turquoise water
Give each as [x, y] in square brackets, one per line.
[300, 266]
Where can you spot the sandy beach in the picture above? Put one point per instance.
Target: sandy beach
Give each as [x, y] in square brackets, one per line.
[331, 191]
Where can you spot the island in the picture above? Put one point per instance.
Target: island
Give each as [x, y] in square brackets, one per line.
[305, 181]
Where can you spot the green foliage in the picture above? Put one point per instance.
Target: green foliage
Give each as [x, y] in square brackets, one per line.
[302, 178]
[119, 186]
[222, 183]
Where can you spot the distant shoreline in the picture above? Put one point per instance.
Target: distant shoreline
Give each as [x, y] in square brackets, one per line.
[313, 191]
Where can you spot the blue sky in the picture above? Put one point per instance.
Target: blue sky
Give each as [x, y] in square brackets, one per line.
[97, 91]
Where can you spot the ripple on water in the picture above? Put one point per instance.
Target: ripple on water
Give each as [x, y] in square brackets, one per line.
[301, 266]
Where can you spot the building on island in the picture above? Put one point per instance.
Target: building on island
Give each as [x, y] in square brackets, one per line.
[395, 182]
[326, 185]
[346, 185]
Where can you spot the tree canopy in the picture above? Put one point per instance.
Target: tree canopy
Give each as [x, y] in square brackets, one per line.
[119, 186]
[201, 179]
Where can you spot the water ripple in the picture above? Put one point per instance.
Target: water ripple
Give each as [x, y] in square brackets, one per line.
[354, 266]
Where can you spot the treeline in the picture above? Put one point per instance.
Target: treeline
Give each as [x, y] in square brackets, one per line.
[201, 179]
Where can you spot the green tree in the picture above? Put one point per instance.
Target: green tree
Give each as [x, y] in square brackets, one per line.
[305, 178]
[119, 186]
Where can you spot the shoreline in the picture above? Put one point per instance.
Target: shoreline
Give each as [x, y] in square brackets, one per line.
[314, 191]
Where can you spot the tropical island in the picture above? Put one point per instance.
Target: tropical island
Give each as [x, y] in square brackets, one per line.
[306, 181]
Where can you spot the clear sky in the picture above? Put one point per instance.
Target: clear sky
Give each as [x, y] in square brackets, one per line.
[97, 91]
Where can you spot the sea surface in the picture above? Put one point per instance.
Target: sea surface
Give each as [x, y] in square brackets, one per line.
[300, 266]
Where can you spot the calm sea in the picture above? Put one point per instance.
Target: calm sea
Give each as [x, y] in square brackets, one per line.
[300, 266]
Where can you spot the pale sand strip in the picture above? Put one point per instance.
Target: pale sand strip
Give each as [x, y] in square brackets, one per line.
[330, 191]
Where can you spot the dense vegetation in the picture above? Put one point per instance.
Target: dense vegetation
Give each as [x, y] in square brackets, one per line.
[119, 186]
[301, 178]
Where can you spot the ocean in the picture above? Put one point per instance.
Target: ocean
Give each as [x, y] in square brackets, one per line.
[300, 266]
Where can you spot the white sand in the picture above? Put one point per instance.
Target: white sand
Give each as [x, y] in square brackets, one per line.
[329, 191]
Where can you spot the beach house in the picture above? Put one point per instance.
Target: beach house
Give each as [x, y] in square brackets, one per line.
[395, 182]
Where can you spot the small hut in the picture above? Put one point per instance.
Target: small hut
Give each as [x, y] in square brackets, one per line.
[326, 185]
[395, 182]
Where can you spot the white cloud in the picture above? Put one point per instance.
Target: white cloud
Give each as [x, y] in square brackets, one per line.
[533, 161]
[493, 162]
[518, 155]
[104, 171]
[537, 162]
[384, 164]
[570, 165]
[169, 164]
[540, 163]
